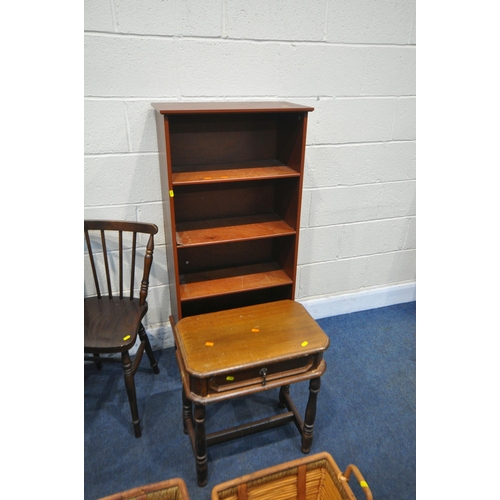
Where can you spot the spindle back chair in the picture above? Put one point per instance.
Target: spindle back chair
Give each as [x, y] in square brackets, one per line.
[113, 316]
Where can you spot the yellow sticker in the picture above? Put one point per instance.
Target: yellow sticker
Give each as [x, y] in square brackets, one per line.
[209, 344]
[304, 343]
[126, 337]
[230, 378]
[363, 484]
[171, 193]
[255, 329]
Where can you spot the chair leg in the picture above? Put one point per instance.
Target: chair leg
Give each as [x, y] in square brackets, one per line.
[130, 386]
[144, 338]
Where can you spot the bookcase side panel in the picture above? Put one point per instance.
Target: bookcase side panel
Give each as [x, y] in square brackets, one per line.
[168, 212]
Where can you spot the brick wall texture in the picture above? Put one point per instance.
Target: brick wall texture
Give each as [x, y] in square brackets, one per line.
[352, 60]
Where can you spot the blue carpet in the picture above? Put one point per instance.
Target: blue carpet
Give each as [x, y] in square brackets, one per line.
[366, 416]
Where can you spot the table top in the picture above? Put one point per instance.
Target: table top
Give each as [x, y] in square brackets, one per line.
[214, 343]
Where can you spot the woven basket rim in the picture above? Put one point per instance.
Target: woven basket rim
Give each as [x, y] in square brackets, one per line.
[288, 468]
[175, 482]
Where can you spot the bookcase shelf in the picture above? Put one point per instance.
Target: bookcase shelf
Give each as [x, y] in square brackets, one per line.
[201, 174]
[206, 232]
[232, 280]
[231, 177]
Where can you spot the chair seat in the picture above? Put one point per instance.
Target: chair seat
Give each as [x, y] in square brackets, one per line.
[111, 325]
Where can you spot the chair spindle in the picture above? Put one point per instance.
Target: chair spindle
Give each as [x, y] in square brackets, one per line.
[92, 263]
[106, 264]
[120, 261]
[132, 274]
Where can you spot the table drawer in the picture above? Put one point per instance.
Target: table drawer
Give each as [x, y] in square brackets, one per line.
[261, 375]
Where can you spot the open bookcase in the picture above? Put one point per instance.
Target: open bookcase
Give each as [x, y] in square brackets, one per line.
[231, 178]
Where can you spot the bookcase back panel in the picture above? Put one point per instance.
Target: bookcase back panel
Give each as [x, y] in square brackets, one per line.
[207, 202]
[204, 258]
[286, 201]
[204, 139]
[194, 307]
[241, 253]
[289, 139]
[221, 139]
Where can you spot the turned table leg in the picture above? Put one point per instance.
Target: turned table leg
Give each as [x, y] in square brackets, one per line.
[200, 445]
[284, 391]
[307, 430]
[187, 411]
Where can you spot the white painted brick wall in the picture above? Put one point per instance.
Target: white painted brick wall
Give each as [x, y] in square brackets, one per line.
[370, 21]
[353, 61]
[289, 20]
[211, 67]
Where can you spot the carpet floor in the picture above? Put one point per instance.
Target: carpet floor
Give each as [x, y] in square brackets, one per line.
[366, 416]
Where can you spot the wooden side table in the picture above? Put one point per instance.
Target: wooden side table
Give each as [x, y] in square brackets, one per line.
[237, 352]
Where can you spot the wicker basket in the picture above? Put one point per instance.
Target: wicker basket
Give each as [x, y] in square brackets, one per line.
[173, 489]
[313, 478]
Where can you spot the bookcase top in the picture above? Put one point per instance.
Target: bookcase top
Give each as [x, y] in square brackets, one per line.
[169, 108]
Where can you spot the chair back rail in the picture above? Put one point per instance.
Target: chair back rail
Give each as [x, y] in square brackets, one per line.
[120, 227]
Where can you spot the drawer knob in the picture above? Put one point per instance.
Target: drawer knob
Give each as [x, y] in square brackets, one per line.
[263, 373]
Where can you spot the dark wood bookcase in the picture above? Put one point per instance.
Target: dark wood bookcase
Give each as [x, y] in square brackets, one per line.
[231, 177]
